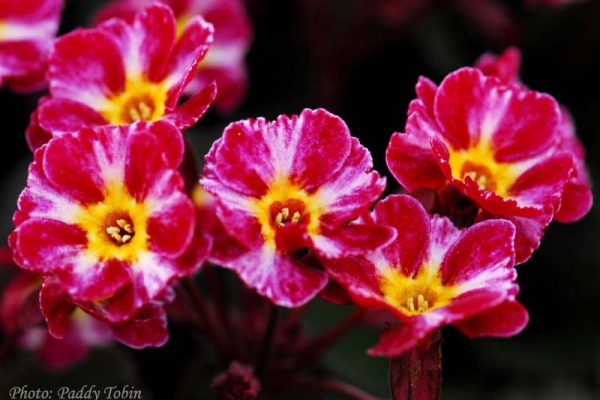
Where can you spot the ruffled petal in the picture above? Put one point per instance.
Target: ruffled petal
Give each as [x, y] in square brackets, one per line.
[148, 328]
[505, 320]
[282, 278]
[411, 222]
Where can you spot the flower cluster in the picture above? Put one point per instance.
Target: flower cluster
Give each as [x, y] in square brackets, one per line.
[109, 231]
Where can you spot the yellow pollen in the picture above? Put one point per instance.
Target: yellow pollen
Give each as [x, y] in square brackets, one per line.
[116, 228]
[415, 295]
[479, 163]
[296, 217]
[285, 213]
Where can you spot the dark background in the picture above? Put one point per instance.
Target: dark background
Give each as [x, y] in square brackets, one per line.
[360, 59]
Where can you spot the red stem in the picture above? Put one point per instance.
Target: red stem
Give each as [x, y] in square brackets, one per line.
[204, 317]
[334, 385]
[417, 374]
[264, 353]
[313, 350]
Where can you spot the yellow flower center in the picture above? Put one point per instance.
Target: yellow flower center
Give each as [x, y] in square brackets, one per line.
[116, 227]
[478, 163]
[141, 100]
[284, 204]
[415, 295]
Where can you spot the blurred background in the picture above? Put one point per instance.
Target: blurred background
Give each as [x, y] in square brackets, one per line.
[360, 59]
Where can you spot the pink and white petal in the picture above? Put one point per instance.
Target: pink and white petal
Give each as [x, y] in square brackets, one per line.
[542, 185]
[359, 277]
[474, 301]
[411, 222]
[171, 225]
[483, 255]
[353, 189]
[520, 123]
[153, 33]
[505, 66]
[442, 235]
[147, 328]
[188, 113]
[20, 57]
[60, 116]
[88, 74]
[505, 320]
[41, 199]
[169, 140]
[397, 340]
[461, 107]
[241, 224]
[352, 239]
[32, 11]
[576, 202]
[187, 53]
[527, 126]
[56, 307]
[321, 144]
[194, 256]
[410, 159]
[283, 279]
[45, 245]
[529, 232]
[147, 173]
[241, 159]
[78, 177]
[85, 280]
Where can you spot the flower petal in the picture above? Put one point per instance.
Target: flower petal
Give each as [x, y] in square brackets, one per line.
[411, 223]
[505, 320]
[56, 308]
[147, 328]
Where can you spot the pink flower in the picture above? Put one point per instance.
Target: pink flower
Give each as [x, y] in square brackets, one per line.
[27, 29]
[119, 73]
[497, 144]
[224, 62]
[434, 274]
[112, 224]
[577, 197]
[20, 319]
[287, 186]
[146, 327]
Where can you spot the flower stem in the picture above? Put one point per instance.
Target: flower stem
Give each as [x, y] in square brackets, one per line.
[203, 315]
[264, 353]
[318, 346]
[417, 374]
[334, 385]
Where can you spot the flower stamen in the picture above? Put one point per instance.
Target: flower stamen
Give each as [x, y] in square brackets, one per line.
[122, 233]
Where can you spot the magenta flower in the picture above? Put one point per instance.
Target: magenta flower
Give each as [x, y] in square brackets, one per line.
[435, 274]
[497, 144]
[224, 62]
[291, 185]
[27, 29]
[119, 73]
[112, 225]
[577, 197]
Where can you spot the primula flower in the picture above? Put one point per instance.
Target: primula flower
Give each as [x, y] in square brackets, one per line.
[435, 274]
[224, 62]
[577, 197]
[495, 143]
[112, 225]
[287, 186]
[20, 318]
[27, 29]
[120, 73]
